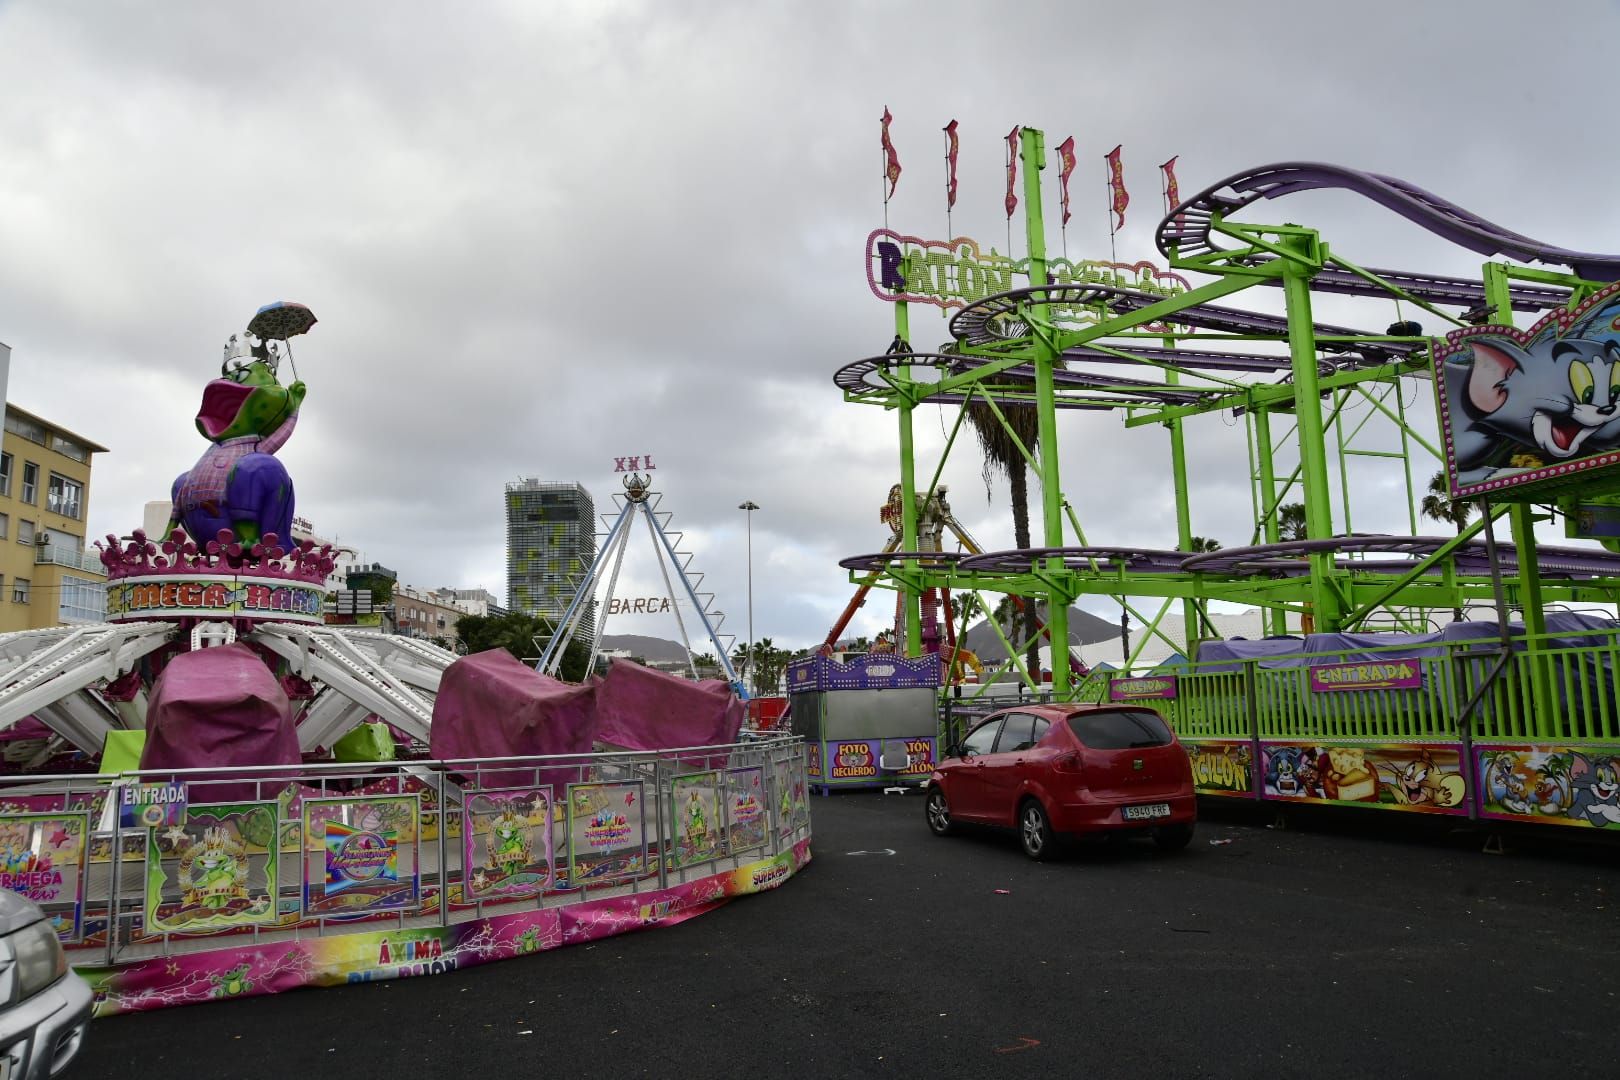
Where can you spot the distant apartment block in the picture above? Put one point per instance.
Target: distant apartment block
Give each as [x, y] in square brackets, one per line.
[47, 577]
[550, 541]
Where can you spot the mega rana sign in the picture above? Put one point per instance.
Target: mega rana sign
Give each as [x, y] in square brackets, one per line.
[169, 596]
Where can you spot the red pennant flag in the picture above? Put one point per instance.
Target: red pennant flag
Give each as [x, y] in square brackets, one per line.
[1012, 170]
[1116, 181]
[950, 164]
[891, 168]
[1172, 193]
[1066, 156]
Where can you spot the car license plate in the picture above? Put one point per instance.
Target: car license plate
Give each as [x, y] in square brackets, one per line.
[1151, 810]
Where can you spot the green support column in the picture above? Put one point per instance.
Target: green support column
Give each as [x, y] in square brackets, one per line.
[912, 604]
[1032, 150]
[1275, 620]
[1522, 517]
[1326, 604]
[1178, 473]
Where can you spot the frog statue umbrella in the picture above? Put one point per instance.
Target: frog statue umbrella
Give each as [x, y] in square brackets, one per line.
[238, 485]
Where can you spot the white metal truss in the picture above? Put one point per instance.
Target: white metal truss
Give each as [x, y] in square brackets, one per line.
[610, 558]
[363, 673]
[48, 674]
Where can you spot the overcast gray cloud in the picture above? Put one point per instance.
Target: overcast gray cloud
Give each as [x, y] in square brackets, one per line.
[539, 236]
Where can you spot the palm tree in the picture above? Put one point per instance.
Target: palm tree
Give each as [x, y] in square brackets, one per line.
[1001, 454]
[1291, 521]
[1438, 505]
[1204, 543]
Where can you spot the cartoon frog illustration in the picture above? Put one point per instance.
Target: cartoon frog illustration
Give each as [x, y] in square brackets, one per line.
[508, 851]
[238, 484]
[696, 826]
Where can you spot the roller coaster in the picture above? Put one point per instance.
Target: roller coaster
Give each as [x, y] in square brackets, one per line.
[1379, 696]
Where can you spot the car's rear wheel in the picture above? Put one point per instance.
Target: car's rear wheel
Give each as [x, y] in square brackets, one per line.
[939, 813]
[1173, 837]
[1035, 831]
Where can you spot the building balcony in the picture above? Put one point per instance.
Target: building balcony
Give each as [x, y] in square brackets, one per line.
[88, 562]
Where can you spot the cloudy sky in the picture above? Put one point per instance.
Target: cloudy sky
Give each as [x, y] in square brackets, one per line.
[542, 235]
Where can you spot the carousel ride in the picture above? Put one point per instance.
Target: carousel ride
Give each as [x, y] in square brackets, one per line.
[226, 598]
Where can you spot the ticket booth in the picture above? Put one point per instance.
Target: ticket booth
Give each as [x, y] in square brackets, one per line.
[870, 722]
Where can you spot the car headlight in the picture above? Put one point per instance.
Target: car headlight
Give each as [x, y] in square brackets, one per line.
[40, 959]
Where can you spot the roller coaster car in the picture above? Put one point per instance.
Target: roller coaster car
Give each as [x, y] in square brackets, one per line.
[1063, 770]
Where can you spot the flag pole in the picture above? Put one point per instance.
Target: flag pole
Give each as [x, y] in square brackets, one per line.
[1108, 201]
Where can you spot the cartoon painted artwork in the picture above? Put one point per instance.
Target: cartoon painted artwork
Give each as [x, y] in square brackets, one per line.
[1554, 785]
[607, 840]
[792, 805]
[42, 857]
[1521, 407]
[699, 834]
[506, 849]
[367, 855]
[747, 809]
[214, 871]
[1221, 768]
[1421, 778]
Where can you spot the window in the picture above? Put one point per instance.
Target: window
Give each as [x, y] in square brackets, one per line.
[25, 531]
[64, 496]
[982, 738]
[5, 474]
[82, 600]
[1023, 731]
[19, 590]
[30, 484]
[1120, 729]
[31, 430]
[5, 526]
[68, 448]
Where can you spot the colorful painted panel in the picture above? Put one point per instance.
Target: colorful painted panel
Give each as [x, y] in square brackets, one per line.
[42, 857]
[360, 855]
[747, 810]
[506, 844]
[813, 763]
[607, 839]
[215, 871]
[922, 754]
[792, 796]
[1425, 778]
[269, 967]
[876, 671]
[852, 762]
[1525, 412]
[1221, 766]
[1551, 785]
[698, 831]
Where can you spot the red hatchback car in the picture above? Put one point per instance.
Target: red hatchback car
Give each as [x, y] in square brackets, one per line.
[1065, 770]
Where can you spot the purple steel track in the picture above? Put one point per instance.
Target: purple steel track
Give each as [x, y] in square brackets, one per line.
[995, 319]
[861, 377]
[1283, 559]
[1187, 229]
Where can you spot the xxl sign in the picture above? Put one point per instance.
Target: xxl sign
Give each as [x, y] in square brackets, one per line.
[954, 273]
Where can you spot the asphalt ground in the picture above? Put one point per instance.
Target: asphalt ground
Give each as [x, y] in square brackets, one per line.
[1367, 945]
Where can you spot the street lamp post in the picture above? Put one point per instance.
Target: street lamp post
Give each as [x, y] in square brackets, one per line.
[748, 657]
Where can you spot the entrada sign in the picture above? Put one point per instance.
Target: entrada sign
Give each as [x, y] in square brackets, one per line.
[1385, 675]
[954, 273]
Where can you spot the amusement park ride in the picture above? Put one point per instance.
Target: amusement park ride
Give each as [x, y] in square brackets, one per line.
[223, 575]
[1529, 429]
[639, 500]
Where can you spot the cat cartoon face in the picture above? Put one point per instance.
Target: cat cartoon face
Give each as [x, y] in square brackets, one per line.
[1552, 394]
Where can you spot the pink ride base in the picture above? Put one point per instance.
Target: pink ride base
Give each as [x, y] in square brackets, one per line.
[269, 968]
